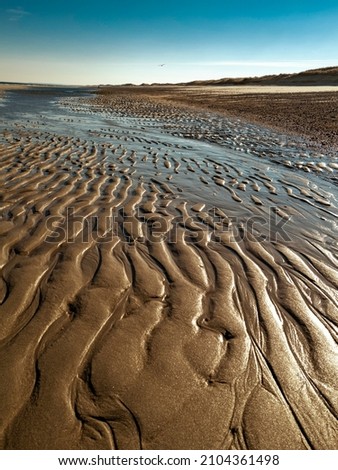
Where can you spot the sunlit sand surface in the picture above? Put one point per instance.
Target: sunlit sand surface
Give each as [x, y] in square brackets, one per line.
[168, 279]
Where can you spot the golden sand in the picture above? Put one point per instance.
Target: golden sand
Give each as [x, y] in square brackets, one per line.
[140, 310]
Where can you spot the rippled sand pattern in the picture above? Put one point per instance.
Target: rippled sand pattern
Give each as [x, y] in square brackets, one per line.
[155, 298]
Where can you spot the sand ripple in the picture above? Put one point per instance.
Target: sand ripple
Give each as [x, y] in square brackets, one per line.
[157, 294]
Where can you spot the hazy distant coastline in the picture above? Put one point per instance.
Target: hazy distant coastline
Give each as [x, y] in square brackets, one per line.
[327, 76]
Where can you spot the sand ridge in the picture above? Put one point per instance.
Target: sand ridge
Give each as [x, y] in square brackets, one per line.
[160, 292]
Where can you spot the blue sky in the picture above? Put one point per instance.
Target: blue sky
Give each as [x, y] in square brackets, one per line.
[79, 42]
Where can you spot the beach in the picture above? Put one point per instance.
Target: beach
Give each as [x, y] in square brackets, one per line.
[168, 268]
[308, 111]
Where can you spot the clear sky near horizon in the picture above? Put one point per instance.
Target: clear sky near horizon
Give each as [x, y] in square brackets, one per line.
[103, 41]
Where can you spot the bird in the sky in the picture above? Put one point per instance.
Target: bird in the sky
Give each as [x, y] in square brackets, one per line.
[161, 65]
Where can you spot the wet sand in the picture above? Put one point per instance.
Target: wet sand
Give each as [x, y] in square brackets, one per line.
[11, 86]
[168, 280]
[306, 111]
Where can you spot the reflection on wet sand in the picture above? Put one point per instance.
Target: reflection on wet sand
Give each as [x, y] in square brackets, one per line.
[164, 293]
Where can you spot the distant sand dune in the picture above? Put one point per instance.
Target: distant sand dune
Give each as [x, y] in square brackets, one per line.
[307, 111]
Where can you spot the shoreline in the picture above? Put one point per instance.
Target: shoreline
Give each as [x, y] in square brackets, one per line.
[158, 291]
